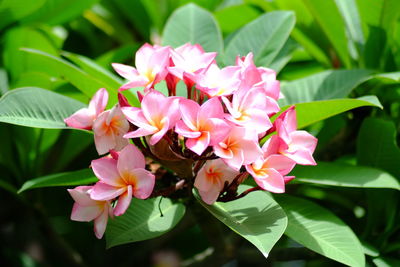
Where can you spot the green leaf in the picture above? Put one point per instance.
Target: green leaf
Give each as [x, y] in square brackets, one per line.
[55, 12]
[143, 221]
[13, 10]
[3, 82]
[386, 262]
[36, 107]
[233, 17]
[264, 37]
[327, 16]
[349, 11]
[376, 145]
[321, 231]
[329, 84]
[80, 177]
[82, 80]
[17, 62]
[338, 174]
[193, 24]
[309, 113]
[256, 217]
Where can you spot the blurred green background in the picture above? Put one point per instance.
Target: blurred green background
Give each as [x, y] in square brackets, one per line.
[340, 47]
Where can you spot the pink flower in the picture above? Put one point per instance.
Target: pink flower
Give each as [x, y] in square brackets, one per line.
[190, 60]
[250, 109]
[157, 115]
[218, 82]
[122, 178]
[84, 118]
[296, 145]
[239, 148]
[86, 209]
[211, 179]
[109, 129]
[258, 77]
[151, 67]
[203, 126]
[270, 169]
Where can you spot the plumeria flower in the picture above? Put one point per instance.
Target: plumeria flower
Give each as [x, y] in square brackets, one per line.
[250, 109]
[190, 60]
[269, 170]
[253, 76]
[84, 118]
[109, 129]
[122, 177]
[219, 82]
[86, 209]
[202, 125]
[296, 145]
[151, 67]
[157, 115]
[211, 179]
[239, 148]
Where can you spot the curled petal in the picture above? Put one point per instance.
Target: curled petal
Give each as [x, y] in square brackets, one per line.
[100, 223]
[144, 185]
[106, 170]
[99, 101]
[199, 144]
[102, 191]
[123, 202]
[85, 213]
[273, 182]
[82, 119]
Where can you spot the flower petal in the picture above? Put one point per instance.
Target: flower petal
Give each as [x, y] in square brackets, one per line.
[106, 170]
[123, 202]
[102, 191]
[144, 186]
[85, 213]
[130, 158]
[100, 223]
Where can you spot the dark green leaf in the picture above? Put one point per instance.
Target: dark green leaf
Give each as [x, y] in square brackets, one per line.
[338, 174]
[143, 221]
[80, 177]
[195, 25]
[36, 107]
[264, 37]
[256, 217]
[321, 231]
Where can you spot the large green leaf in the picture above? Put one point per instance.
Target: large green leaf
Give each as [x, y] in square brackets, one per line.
[329, 84]
[55, 12]
[339, 174]
[376, 145]
[309, 113]
[3, 82]
[327, 16]
[36, 107]
[143, 221]
[256, 217]
[349, 11]
[13, 10]
[86, 83]
[321, 231]
[233, 17]
[80, 177]
[193, 24]
[16, 61]
[264, 37]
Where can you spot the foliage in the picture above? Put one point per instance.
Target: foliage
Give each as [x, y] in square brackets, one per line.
[338, 62]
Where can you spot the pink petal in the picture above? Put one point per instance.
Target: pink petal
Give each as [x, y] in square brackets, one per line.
[138, 81]
[219, 130]
[141, 132]
[302, 157]
[130, 158]
[210, 196]
[82, 119]
[199, 144]
[273, 182]
[280, 163]
[212, 108]
[104, 143]
[106, 170]
[99, 101]
[182, 129]
[85, 213]
[102, 191]
[236, 161]
[158, 135]
[123, 202]
[81, 196]
[222, 152]
[189, 110]
[303, 139]
[128, 72]
[100, 224]
[144, 186]
[142, 57]
[152, 103]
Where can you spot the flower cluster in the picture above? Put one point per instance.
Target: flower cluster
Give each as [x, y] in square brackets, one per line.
[210, 138]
